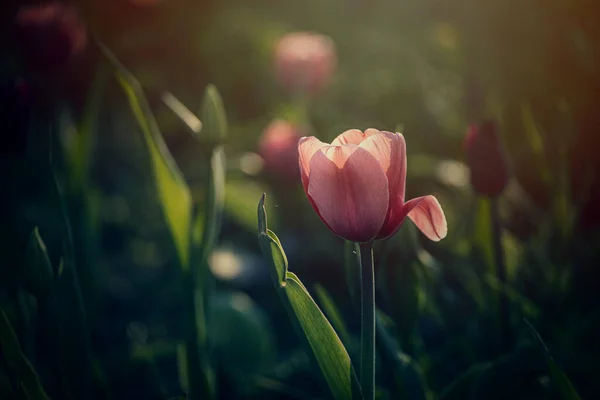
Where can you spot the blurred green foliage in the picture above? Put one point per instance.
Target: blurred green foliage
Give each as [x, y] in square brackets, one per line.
[117, 313]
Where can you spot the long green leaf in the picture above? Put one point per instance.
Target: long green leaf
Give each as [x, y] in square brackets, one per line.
[17, 362]
[332, 313]
[560, 379]
[331, 356]
[215, 200]
[80, 149]
[408, 377]
[326, 348]
[461, 387]
[214, 120]
[508, 376]
[173, 192]
[191, 121]
[38, 269]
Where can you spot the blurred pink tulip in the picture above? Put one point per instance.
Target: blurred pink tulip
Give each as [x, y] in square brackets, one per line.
[279, 148]
[357, 184]
[49, 35]
[304, 61]
[487, 161]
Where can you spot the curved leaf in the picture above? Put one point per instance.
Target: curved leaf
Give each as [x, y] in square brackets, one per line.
[330, 353]
[16, 361]
[39, 276]
[173, 193]
[326, 348]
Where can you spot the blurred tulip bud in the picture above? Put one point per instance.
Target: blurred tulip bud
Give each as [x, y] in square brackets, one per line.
[304, 61]
[49, 36]
[15, 106]
[278, 147]
[212, 113]
[486, 159]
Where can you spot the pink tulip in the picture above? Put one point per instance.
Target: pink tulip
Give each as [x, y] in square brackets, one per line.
[279, 148]
[304, 61]
[357, 184]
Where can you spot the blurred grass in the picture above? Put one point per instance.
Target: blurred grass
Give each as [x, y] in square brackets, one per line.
[431, 67]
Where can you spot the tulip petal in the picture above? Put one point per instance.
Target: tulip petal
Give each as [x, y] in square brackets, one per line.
[307, 147]
[349, 190]
[428, 216]
[372, 131]
[390, 150]
[351, 136]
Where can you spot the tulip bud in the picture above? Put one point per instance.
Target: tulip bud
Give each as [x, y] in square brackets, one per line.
[15, 103]
[214, 120]
[304, 61]
[486, 159]
[49, 36]
[279, 149]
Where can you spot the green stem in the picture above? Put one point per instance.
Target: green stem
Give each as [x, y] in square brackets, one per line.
[367, 337]
[501, 272]
[74, 340]
[199, 374]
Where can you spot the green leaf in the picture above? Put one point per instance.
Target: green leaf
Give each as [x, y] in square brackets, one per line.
[38, 269]
[173, 192]
[241, 336]
[332, 312]
[407, 374]
[560, 379]
[191, 121]
[508, 376]
[269, 244]
[461, 387]
[81, 142]
[215, 200]
[326, 349]
[6, 390]
[240, 203]
[483, 232]
[331, 356]
[17, 363]
[213, 115]
[262, 215]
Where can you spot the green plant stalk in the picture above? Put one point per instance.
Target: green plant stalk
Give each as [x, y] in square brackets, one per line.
[75, 348]
[198, 370]
[501, 273]
[367, 334]
[199, 282]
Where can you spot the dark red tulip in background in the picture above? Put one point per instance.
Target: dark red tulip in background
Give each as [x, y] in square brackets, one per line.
[486, 159]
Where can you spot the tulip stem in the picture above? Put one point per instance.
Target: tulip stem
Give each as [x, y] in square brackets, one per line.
[367, 340]
[500, 271]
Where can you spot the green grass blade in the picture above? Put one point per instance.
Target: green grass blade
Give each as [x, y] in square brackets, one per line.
[332, 312]
[16, 361]
[38, 269]
[173, 193]
[560, 379]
